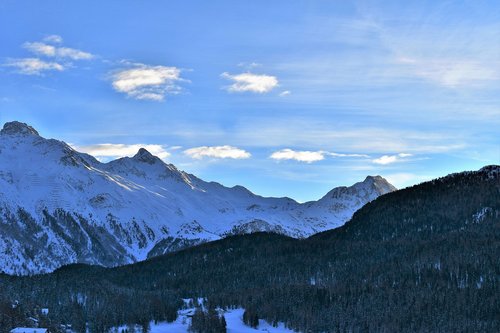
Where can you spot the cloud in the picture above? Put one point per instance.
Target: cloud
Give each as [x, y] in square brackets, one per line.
[109, 151]
[248, 82]
[34, 66]
[217, 152]
[285, 93]
[318, 133]
[301, 156]
[40, 48]
[56, 39]
[66, 52]
[249, 65]
[308, 156]
[347, 155]
[38, 65]
[47, 50]
[146, 82]
[450, 73]
[389, 159]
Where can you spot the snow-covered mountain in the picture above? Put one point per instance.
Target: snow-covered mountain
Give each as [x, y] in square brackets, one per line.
[59, 206]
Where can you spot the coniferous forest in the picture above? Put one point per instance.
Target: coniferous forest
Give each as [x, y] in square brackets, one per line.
[421, 259]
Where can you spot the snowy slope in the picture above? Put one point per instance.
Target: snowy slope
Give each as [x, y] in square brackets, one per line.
[233, 317]
[59, 206]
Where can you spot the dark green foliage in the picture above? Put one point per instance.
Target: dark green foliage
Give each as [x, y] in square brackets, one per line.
[423, 259]
[207, 322]
[250, 318]
[11, 316]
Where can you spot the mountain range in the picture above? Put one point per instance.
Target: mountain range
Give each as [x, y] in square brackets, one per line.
[422, 259]
[60, 206]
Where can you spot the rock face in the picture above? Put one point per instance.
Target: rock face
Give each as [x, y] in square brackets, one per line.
[59, 206]
[18, 128]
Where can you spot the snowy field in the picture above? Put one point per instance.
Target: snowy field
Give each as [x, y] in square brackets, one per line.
[234, 320]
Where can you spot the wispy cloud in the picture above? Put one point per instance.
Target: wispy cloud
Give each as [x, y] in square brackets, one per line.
[56, 39]
[352, 138]
[449, 72]
[49, 57]
[308, 156]
[217, 152]
[249, 65]
[249, 82]
[34, 66]
[147, 82]
[109, 151]
[389, 159]
[285, 93]
[48, 50]
[66, 52]
[444, 50]
[40, 48]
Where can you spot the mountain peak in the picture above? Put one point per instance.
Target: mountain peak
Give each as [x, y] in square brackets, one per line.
[145, 156]
[373, 179]
[18, 128]
[380, 182]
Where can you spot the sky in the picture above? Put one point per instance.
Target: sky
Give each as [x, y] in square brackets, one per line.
[287, 98]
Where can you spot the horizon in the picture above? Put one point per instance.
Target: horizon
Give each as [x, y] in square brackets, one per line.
[287, 100]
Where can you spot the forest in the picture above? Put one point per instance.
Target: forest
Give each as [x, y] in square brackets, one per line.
[422, 259]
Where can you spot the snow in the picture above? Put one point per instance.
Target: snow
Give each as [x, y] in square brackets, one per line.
[145, 198]
[234, 322]
[481, 214]
[28, 330]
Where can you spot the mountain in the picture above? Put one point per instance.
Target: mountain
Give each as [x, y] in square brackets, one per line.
[59, 206]
[421, 259]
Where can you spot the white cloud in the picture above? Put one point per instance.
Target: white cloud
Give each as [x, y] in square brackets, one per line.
[66, 52]
[285, 93]
[301, 156]
[217, 152]
[108, 151]
[58, 52]
[38, 65]
[147, 82]
[40, 48]
[34, 66]
[347, 155]
[56, 39]
[389, 159]
[308, 156]
[248, 82]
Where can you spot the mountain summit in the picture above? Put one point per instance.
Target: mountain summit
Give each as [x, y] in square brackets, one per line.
[145, 156]
[59, 206]
[17, 128]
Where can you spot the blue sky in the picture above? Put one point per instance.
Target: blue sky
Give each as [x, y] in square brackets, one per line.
[286, 98]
